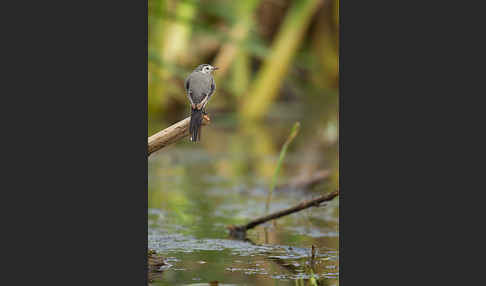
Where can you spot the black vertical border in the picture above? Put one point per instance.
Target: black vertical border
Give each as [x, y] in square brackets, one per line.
[402, 86]
[75, 208]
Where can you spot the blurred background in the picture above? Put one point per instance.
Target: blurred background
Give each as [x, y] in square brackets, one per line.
[278, 63]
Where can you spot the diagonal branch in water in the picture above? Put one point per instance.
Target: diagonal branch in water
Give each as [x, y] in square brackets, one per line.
[171, 134]
[239, 231]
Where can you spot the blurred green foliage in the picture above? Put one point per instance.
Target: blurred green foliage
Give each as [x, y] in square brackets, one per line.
[278, 61]
[267, 50]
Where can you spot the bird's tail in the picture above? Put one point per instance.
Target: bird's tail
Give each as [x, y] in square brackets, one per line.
[195, 125]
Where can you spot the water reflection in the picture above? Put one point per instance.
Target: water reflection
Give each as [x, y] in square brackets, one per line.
[195, 191]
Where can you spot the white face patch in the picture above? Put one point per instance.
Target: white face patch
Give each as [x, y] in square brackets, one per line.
[206, 69]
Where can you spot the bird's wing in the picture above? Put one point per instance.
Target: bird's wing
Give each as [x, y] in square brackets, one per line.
[213, 87]
[200, 87]
[211, 91]
[203, 102]
[187, 85]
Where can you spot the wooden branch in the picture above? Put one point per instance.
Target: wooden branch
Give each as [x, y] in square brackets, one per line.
[154, 262]
[171, 134]
[239, 231]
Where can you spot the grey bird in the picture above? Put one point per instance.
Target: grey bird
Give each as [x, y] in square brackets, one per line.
[199, 88]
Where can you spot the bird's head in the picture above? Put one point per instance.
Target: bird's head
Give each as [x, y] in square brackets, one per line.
[205, 68]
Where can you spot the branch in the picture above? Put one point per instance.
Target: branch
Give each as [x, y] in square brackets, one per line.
[155, 262]
[239, 231]
[171, 134]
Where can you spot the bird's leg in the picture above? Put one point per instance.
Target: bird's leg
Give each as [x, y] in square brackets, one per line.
[205, 114]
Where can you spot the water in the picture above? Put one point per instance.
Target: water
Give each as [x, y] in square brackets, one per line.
[195, 191]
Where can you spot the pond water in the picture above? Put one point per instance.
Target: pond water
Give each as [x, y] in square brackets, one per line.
[197, 190]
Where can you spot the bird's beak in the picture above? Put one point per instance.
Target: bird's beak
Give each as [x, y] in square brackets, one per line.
[215, 68]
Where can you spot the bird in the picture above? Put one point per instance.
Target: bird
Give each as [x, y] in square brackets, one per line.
[199, 87]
